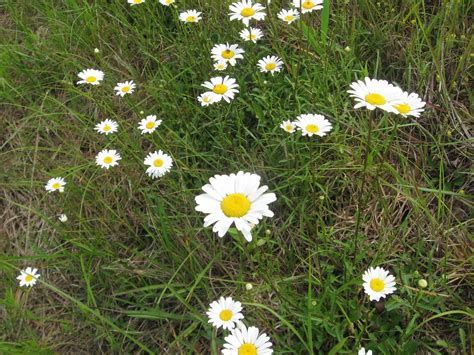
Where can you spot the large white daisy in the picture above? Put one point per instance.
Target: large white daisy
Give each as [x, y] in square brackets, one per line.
[221, 88]
[90, 76]
[149, 124]
[246, 10]
[227, 53]
[55, 184]
[251, 34]
[378, 283]
[308, 5]
[125, 88]
[107, 158]
[243, 341]
[106, 127]
[234, 199]
[28, 277]
[190, 16]
[409, 105]
[158, 163]
[225, 313]
[289, 15]
[373, 93]
[270, 64]
[310, 124]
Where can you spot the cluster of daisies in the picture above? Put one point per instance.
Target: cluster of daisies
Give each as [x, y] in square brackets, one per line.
[373, 93]
[227, 313]
[224, 55]
[158, 163]
[238, 200]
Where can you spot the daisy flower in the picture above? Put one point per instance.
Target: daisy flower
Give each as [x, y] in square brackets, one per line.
[362, 351]
[55, 184]
[220, 65]
[251, 34]
[310, 124]
[90, 76]
[159, 164]
[308, 5]
[247, 341]
[62, 218]
[167, 2]
[288, 126]
[227, 53]
[234, 199]
[289, 15]
[246, 10]
[125, 88]
[373, 93]
[135, 2]
[225, 313]
[270, 64]
[190, 16]
[378, 283]
[206, 99]
[107, 126]
[221, 88]
[149, 124]
[28, 277]
[409, 105]
[107, 158]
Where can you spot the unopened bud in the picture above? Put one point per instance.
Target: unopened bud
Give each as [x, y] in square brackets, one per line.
[422, 283]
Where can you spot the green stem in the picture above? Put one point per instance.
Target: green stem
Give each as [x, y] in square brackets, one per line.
[360, 202]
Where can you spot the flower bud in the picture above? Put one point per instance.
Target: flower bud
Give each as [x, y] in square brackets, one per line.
[422, 283]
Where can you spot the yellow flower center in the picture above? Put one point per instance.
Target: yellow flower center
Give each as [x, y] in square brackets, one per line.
[252, 36]
[308, 5]
[206, 99]
[107, 128]
[220, 89]
[56, 185]
[137, 1]
[247, 349]
[403, 108]
[289, 127]
[108, 160]
[126, 89]
[158, 163]
[227, 54]
[91, 79]
[169, 2]
[270, 66]
[247, 12]
[377, 285]
[225, 315]
[28, 278]
[235, 205]
[312, 128]
[150, 125]
[190, 18]
[375, 99]
[288, 18]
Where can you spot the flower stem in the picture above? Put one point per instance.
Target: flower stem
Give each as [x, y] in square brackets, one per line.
[361, 201]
